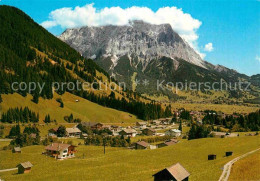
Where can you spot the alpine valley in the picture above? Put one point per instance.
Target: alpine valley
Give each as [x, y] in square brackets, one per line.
[64, 114]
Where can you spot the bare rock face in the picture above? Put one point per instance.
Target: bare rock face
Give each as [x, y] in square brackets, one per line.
[145, 51]
[139, 39]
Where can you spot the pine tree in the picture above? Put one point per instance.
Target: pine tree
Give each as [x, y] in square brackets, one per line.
[61, 132]
[180, 126]
[192, 132]
[47, 119]
[35, 97]
[174, 119]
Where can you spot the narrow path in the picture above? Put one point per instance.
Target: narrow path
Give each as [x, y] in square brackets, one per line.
[227, 167]
[7, 170]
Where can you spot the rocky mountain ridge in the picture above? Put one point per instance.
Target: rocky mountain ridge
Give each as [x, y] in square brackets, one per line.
[142, 40]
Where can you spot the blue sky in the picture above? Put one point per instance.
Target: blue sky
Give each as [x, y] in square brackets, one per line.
[229, 28]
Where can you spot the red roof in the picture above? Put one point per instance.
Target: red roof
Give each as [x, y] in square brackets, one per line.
[57, 146]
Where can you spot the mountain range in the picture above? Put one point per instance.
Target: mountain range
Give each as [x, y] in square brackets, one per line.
[143, 51]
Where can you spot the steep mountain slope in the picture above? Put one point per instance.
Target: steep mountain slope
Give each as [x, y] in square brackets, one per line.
[83, 109]
[140, 39]
[30, 54]
[20, 38]
[146, 52]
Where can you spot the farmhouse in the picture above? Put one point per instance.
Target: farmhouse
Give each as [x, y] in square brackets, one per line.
[73, 132]
[92, 125]
[16, 150]
[24, 167]
[141, 145]
[107, 127]
[141, 124]
[60, 150]
[173, 133]
[175, 172]
[168, 143]
[156, 122]
[148, 131]
[128, 132]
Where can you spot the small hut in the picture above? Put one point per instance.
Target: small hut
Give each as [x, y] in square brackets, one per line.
[16, 150]
[174, 172]
[24, 167]
[212, 157]
[229, 153]
[141, 145]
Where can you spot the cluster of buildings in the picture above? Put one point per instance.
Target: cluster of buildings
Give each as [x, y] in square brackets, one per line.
[148, 128]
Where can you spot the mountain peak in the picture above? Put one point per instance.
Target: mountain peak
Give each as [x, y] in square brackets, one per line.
[140, 39]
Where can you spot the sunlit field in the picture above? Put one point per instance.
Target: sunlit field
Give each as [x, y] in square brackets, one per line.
[122, 164]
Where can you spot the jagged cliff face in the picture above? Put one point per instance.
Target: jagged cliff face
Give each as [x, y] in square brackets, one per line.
[138, 40]
[144, 51]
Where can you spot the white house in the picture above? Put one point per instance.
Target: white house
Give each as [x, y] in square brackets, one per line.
[60, 150]
[173, 133]
[128, 132]
[73, 132]
[141, 124]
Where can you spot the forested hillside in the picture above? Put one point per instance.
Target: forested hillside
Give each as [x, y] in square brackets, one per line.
[29, 53]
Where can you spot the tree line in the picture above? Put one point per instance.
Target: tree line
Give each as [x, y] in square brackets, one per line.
[19, 115]
[235, 122]
[145, 111]
[24, 138]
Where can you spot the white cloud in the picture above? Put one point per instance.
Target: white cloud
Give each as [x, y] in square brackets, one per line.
[209, 47]
[257, 58]
[183, 23]
[48, 24]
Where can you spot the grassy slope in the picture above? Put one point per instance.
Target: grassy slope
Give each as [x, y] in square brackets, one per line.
[123, 164]
[246, 169]
[84, 109]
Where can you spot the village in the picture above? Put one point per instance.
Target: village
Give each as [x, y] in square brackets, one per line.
[143, 135]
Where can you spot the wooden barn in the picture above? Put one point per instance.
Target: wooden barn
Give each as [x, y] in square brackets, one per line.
[92, 125]
[229, 153]
[212, 157]
[149, 131]
[141, 145]
[16, 150]
[24, 167]
[168, 143]
[173, 173]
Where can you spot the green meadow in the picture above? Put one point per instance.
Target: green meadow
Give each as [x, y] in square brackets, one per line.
[83, 109]
[122, 164]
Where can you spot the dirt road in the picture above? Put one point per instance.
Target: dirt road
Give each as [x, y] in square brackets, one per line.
[227, 167]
